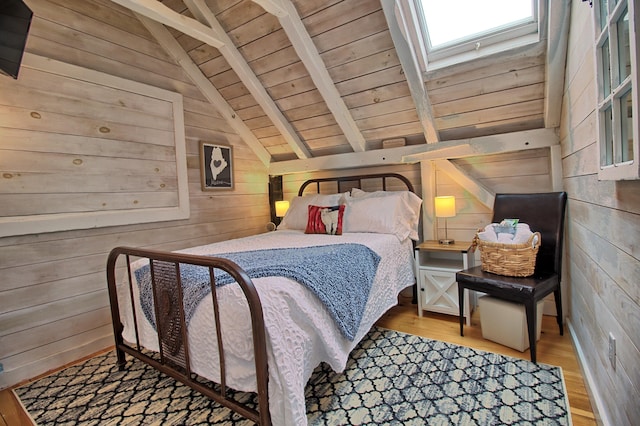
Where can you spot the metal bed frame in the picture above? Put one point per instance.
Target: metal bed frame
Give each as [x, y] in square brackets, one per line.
[173, 357]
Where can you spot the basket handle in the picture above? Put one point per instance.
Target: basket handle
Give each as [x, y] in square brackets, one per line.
[535, 240]
[474, 242]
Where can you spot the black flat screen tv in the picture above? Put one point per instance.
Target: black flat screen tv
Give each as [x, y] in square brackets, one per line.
[15, 19]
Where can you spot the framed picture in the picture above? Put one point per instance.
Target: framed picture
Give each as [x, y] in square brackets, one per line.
[216, 166]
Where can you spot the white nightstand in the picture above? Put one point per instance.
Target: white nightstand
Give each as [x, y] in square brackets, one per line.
[436, 267]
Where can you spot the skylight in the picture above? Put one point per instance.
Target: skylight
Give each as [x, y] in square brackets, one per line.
[454, 31]
[460, 20]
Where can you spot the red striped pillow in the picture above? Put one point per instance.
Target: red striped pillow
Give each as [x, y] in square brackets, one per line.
[325, 220]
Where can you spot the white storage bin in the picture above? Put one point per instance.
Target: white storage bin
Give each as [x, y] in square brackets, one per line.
[506, 322]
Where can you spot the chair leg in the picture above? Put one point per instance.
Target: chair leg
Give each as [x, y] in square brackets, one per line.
[461, 307]
[558, 297]
[532, 320]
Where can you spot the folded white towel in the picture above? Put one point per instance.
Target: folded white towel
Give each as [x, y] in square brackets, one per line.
[522, 235]
[505, 238]
[488, 235]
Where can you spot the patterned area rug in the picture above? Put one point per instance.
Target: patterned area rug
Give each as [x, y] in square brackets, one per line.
[391, 378]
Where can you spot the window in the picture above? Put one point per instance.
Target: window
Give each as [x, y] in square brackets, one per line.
[455, 31]
[616, 73]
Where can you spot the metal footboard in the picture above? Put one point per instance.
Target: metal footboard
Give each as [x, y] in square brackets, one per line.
[171, 328]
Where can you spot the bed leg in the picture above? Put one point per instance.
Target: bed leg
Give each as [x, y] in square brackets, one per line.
[121, 359]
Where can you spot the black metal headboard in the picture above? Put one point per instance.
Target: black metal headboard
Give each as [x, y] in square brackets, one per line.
[356, 181]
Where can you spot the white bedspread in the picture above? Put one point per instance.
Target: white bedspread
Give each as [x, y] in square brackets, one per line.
[300, 331]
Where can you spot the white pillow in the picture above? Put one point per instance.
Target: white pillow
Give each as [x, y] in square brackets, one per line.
[298, 213]
[359, 193]
[412, 201]
[408, 195]
[383, 212]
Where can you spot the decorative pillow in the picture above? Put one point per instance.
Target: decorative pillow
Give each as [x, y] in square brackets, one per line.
[393, 212]
[325, 220]
[297, 215]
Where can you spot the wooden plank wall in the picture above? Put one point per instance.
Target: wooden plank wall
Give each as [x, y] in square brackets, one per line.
[53, 299]
[83, 149]
[603, 231]
[521, 171]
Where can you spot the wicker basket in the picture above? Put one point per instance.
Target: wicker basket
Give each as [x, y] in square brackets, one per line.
[513, 260]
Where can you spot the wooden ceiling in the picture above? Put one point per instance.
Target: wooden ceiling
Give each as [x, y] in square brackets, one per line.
[315, 78]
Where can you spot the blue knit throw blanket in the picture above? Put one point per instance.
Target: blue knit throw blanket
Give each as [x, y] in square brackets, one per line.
[340, 275]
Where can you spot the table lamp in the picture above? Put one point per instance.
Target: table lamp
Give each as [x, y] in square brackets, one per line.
[445, 207]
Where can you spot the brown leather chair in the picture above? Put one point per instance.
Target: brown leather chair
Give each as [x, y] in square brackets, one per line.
[544, 212]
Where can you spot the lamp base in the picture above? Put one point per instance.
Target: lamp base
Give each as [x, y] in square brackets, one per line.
[446, 241]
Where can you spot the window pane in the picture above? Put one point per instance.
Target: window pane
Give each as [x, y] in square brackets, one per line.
[602, 7]
[624, 61]
[626, 131]
[606, 69]
[606, 152]
[617, 80]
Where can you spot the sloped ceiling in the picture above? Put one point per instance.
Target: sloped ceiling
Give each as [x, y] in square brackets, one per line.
[304, 79]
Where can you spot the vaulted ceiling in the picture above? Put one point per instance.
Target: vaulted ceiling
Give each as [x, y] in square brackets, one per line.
[309, 79]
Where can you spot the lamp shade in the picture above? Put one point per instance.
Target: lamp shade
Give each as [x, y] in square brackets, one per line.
[445, 206]
[281, 208]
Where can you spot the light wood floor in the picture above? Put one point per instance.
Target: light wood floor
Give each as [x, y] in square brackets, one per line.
[553, 349]
[11, 412]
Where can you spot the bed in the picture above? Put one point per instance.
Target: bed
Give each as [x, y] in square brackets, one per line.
[234, 315]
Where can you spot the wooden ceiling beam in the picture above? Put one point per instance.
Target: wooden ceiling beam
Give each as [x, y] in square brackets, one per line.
[468, 182]
[203, 14]
[395, 18]
[559, 15]
[349, 160]
[486, 145]
[157, 11]
[290, 21]
[171, 45]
